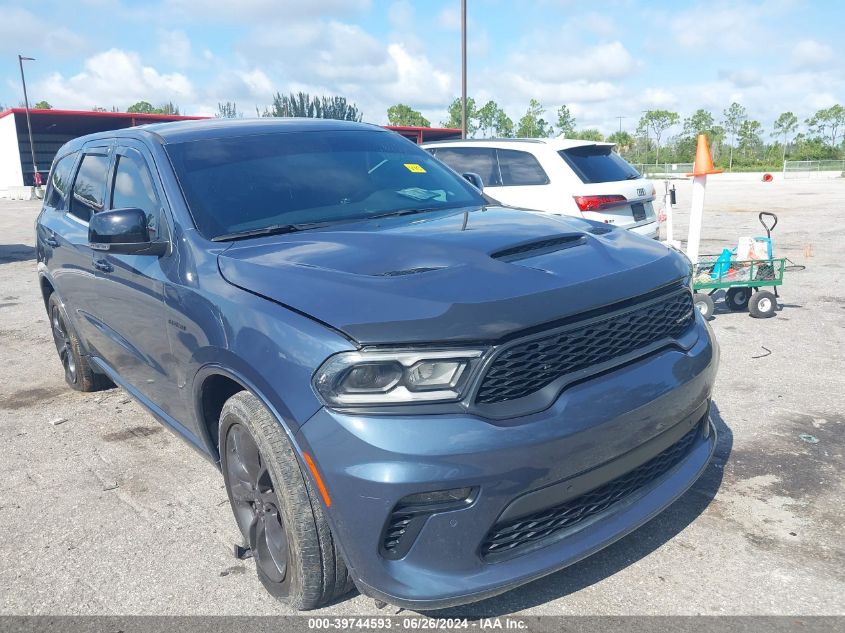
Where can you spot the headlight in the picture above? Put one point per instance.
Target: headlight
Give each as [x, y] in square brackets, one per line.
[383, 377]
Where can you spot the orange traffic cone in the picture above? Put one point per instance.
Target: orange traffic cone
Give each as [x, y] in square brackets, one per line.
[703, 160]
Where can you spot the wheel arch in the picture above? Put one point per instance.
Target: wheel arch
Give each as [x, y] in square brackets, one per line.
[46, 287]
[214, 385]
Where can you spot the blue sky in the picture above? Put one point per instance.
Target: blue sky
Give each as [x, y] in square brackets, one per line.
[603, 59]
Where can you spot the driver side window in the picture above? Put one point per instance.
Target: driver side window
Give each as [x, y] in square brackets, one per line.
[133, 188]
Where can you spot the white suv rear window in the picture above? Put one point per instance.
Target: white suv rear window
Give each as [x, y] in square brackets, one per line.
[598, 163]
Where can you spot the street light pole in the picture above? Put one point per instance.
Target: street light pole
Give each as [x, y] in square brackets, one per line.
[35, 175]
[463, 68]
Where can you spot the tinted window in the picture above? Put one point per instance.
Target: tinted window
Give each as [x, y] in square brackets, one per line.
[479, 160]
[598, 163]
[520, 168]
[89, 187]
[133, 188]
[60, 181]
[251, 182]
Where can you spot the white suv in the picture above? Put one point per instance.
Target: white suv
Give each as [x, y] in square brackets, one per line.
[557, 175]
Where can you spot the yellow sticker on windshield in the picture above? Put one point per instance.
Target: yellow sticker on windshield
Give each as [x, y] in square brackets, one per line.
[417, 169]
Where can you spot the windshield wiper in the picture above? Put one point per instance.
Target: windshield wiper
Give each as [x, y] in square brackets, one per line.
[273, 229]
[407, 212]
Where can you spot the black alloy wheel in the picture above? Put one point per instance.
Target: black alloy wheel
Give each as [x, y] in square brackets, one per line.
[63, 344]
[256, 505]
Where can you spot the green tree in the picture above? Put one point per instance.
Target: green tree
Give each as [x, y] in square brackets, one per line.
[699, 122]
[168, 108]
[401, 114]
[623, 141]
[657, 122]
[42, 105]
[732, 121]
[487, 118]
[565, 122]
[590, 134]
[749, 137]
[503, 126]
[304, 105]
[228, 110]
[454, 112]
[828, 123]
[785, 127]
[142, 107]
[532, 125]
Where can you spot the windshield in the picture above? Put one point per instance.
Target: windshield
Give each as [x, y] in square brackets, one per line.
[247, 183]
[598, 163]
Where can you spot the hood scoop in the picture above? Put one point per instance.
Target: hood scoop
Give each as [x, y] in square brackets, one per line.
[408, 271]
[535, 248]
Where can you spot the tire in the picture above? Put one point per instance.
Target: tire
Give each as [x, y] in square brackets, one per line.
[737, 298]
[704, 304]
[79, 374]
[763, 304]
[295, 554]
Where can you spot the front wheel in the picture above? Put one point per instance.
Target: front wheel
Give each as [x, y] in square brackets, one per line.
[762, 305]
[704, 304]
[276, 508]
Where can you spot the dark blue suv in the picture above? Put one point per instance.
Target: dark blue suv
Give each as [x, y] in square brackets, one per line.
[406, 387]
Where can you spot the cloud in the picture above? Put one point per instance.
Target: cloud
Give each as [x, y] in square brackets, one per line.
[175, 47]
[23, 32]
[808, 54]
[450, 18]
[263, 11]
[115, 77]
[598, 63]
[741, 78]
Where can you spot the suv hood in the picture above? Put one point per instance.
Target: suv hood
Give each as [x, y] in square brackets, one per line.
[458, 275]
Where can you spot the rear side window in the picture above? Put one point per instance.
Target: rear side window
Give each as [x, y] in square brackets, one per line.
[598, 163]
[89, 187]
[134, 188]
[60, 179]
[520, 168]
[479, 160]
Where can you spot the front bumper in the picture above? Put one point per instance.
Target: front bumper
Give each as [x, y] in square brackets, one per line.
[370, 462]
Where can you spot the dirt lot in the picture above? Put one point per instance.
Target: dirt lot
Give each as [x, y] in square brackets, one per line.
[108, 513]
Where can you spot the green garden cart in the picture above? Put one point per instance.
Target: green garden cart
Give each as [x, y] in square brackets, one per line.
[749, 284]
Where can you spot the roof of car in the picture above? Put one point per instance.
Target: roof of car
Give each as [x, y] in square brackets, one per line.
[556, 143]
[182, 131]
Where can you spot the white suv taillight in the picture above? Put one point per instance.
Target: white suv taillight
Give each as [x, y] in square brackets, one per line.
[597, 203]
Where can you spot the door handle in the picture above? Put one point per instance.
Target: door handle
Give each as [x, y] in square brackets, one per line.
[103, 265]
[52, 241]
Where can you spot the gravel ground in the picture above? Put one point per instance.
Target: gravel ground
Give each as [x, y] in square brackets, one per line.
[108, 513]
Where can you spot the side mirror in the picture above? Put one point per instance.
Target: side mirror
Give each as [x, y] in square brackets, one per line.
[474, 179]
[123, 232]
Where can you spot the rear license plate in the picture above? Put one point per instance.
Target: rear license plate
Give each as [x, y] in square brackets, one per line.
[638, 209]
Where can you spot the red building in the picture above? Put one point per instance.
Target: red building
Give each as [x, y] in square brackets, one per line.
[53, 128]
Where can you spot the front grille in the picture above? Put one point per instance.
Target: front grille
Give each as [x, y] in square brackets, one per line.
[506, 539]
[527, 367]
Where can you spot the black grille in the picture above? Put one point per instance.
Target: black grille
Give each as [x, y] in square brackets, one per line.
[528, 367]
[510, 538]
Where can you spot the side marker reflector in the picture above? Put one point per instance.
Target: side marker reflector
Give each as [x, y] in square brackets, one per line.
[319, 480]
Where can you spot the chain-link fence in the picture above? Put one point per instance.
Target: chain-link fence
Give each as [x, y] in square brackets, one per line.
[793, 169]
[663, 169]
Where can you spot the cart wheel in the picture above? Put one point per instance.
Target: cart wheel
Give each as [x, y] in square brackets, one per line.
[704, 304]
[737, 298]
[762, 305]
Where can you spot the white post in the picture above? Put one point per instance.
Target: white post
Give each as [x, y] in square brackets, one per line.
[696, 213]
[667, 207]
